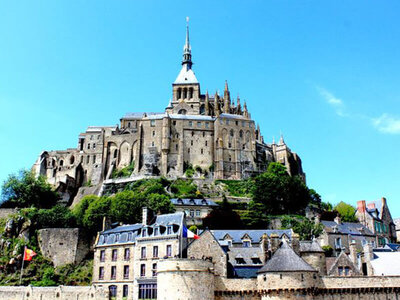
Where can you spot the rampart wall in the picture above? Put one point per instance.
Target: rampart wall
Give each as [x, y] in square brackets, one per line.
[52, 293]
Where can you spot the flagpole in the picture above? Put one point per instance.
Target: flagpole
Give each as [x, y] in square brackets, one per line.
[22, 267]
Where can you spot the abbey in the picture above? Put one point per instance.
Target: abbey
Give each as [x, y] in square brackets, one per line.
[208, 132]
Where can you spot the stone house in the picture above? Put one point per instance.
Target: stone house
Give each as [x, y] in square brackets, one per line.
[339, 235]
[126, 257]
[195, 209]
[377, 218]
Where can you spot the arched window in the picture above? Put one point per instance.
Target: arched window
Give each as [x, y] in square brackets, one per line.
[182, 112]
[115, 153]
[61, 163]
[184, 93]
[72, 159]
[113, 291]
[129, 124]
[232, 133]
[179, 93]
[241, 133]
[190, 93]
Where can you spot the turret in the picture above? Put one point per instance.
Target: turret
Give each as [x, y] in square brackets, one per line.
[227, 99]
[238, 106]
[207, 105]
[245, 111]
[217, 105]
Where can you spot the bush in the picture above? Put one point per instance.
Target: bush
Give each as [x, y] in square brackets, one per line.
[328, 250]
[124, 172]
[184, 189]
[55, 217]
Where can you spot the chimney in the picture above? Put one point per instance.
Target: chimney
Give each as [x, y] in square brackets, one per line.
[361, 206]
[296, 243]
[275, 241]
[145, 216]
[371, 205]
[338, 220]
[264, 247]
[353, 252]
[384, 202]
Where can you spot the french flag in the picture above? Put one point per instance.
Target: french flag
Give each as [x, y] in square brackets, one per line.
[188, 234]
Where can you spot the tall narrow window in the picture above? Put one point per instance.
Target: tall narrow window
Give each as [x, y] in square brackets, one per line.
[125, 291]
[102, 255]
[155, 251]
[154, 270]
[94, 159]
[142, 270]
[114, 255]
[127, 254]
[169, 250]
[126, 272]
[113, 272]
[143, 252]
[101, 273]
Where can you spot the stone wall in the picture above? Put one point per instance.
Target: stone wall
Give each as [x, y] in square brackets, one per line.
[185, 279]
[63, 245]
[5, 212]
[52, 293]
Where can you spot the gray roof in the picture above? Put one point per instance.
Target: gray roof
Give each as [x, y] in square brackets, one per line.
[246, 272]
[255, 235]
[197, 202]
[310, 246]
[232, 116]
[347, 228]
[128, 233]
[286, 260]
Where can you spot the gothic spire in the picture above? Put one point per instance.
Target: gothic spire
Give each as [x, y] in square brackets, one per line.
[187, 49]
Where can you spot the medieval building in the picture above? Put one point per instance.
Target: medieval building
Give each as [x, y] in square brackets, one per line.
[211, 132]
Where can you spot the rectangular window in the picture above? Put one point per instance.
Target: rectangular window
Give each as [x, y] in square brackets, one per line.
[126, 272]
[192, 213]
[340, 271]
[338, 243]
[94, 145]
[88, 146]
[125, 291]
[169, 250]
[154, 133]
[148, 291]
[201, 150]
[191, 143]
[143, 252]
[153, 123]
[156, 230]
[114, 255]
[127, 254]
[207, 125]
[94, 159]
[198, 124]
[155, 251]
[206, 143]
[190, 123]
[154, 270]
[169, 230]
[246, 244]
[101, 273]
[142, 270]
[87, 159]
[102, 255]
[113, 272]
[346, 271]
[197, 213]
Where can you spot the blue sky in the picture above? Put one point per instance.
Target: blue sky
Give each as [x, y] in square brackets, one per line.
[325, 73]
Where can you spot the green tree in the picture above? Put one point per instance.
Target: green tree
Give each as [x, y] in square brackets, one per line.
[346, 211]
[305, 228]
[25, 190]
[56, 217]
[223, 217]
[280, 193]
[94, 214]
[126, 207]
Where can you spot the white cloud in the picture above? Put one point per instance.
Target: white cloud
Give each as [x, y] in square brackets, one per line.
[387, 124]
[332, 100]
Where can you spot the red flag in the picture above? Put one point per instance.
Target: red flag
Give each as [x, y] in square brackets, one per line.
[28, 254]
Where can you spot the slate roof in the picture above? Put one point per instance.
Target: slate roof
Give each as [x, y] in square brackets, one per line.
[194, 202]
[246, 272]
[255, 235]
[128, 233]
[310, 246]
[286, 260]
[347, 228]
[232, 116]
[186, 75]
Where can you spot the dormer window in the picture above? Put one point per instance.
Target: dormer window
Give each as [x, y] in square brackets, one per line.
[117, 238]
[240, 261]
[204, 202]
[153, 123]
[256, 260]
[130, 236]
[156, 231]
[169, 229]
[246, 244]
[144, 232]
[180, 201]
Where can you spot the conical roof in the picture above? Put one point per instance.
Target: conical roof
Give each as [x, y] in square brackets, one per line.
[286, 260]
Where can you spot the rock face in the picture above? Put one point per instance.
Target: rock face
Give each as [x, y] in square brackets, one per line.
[63, 245]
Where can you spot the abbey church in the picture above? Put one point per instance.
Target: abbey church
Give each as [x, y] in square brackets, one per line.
[211, 132]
